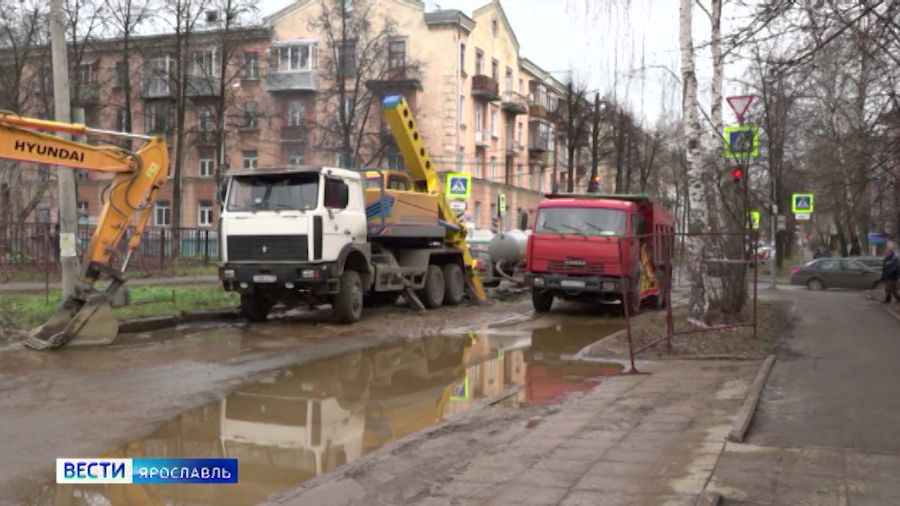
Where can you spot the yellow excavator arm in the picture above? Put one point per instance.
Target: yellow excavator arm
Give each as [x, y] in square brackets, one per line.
[425, 179]
[85, 317]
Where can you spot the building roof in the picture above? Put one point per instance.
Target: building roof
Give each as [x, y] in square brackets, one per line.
[496, 4]
[534, 69]
[449, 17]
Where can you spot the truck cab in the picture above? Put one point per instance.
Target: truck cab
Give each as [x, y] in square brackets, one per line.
[287, 234]
[597, 248]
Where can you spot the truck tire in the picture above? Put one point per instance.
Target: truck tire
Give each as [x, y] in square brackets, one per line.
[255, 307]
[454, 284]
[542, 300]
[348, 303]
[433, 293]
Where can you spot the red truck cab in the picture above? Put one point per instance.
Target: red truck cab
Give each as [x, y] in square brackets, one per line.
[574, 250]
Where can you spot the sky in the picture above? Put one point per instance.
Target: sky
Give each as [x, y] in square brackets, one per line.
[624, 49]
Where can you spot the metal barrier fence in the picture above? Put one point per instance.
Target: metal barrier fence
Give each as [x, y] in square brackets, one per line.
[667, 259]
[35, 246]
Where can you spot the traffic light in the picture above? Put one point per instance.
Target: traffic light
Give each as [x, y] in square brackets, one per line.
[737, 174]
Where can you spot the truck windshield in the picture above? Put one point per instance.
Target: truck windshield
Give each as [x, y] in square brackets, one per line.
[581, 221]
[274, 192]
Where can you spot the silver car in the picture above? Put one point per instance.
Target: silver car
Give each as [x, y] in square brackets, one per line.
[836, 273]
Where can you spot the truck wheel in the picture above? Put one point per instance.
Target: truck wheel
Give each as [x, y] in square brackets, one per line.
[433, 293]
[454, 284]
[255, 307]
[542, 300]
[348, 303]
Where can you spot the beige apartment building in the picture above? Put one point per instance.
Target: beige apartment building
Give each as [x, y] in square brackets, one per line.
[482, 107]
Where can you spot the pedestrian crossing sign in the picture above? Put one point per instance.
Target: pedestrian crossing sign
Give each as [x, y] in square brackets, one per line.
[458, 186]
[753, 220]
[802, 202]
[742, 141]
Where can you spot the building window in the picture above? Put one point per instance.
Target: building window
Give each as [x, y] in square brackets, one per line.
[493, 174]
[206, 166]
[519, 134]
[479, 116]
[205, 120]
[250, 160]
[494, 122]
[479, 165]
[82, 210]
[121, 73]
[121, 120]
[495, 70]
[294, 58]
[250, 121]
[521, 86]
[296, 113]
[163, 213]
[348, 5]
[476, 215]
[347, 58]
[494, 27]
[204, 213]
[203, 63]
[85, 75]
[462, 59]
[479, 62]
[397, 54]
[459, 112]
[156, 117]
[295, 156]
[251, 65]
[42, 215]
[347, 109]
[509, 79]
[158, 81]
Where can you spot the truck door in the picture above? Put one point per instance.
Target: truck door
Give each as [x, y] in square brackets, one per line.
[345, 221]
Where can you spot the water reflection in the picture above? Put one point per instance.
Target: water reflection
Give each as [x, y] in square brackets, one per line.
[307, 420]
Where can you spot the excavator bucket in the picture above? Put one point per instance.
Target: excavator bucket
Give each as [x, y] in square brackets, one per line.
[82, 320]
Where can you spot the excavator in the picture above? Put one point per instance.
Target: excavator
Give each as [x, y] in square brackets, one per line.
[85, 317]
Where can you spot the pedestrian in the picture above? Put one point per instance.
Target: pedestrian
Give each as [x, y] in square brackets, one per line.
[890, 274]
[818, 254]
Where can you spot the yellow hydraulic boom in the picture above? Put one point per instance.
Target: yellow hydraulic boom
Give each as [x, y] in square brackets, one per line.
[86, 317]
[425, 180]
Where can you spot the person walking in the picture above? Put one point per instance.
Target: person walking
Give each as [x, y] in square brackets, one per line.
[890, 274]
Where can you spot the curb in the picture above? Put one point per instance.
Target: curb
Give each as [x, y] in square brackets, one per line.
[748, 408]
[148, 323]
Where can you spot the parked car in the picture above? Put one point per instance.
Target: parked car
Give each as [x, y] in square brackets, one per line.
[871, 262]
[836, 273]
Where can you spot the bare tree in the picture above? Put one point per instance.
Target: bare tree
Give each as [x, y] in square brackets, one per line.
[354, 63]
[574, 121]
[125, 18]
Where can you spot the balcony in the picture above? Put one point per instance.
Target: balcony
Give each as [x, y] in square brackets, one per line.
[87, 94]
[485, 87]
[402, 80]
[303, 80]
[293, 134]
[538, 144]
[157, 87]
[203, 86]
[483, 138]
[514, 103]
[513, 146]
[537, 111]
[205, 137]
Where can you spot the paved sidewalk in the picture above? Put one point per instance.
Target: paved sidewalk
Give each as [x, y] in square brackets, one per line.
[644, 439]
[825, 432]
[171, 280]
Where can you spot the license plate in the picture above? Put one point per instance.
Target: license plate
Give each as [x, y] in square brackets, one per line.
[568, 283]
[264, 278]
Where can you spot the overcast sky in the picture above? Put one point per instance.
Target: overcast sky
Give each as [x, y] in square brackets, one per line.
[604, 45]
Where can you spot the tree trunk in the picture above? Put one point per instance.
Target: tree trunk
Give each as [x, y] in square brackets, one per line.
[698, 306]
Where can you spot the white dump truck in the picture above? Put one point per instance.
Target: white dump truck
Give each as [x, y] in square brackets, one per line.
[321, 235]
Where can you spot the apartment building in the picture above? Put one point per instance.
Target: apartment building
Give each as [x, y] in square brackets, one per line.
[482, 107]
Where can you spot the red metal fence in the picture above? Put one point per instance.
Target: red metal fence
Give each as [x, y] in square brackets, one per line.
[35, 247]
[669, 258]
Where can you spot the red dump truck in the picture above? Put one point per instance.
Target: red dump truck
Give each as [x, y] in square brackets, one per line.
[574, 250]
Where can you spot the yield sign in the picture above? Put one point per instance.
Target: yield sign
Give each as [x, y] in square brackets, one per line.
[739, 104]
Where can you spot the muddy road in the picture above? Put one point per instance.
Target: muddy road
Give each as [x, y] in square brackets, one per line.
[292, 398]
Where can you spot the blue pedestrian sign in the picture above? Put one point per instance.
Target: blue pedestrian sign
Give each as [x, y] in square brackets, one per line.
[458, 186]
[741, 141]
[802, 202]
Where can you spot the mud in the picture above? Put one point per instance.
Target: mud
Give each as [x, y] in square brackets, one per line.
[135, 397]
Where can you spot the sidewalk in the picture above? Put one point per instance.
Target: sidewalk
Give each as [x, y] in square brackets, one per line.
[636, 439]
[825, 432]
[171, 280]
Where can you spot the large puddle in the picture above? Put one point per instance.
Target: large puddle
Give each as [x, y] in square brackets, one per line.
[306, 420]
